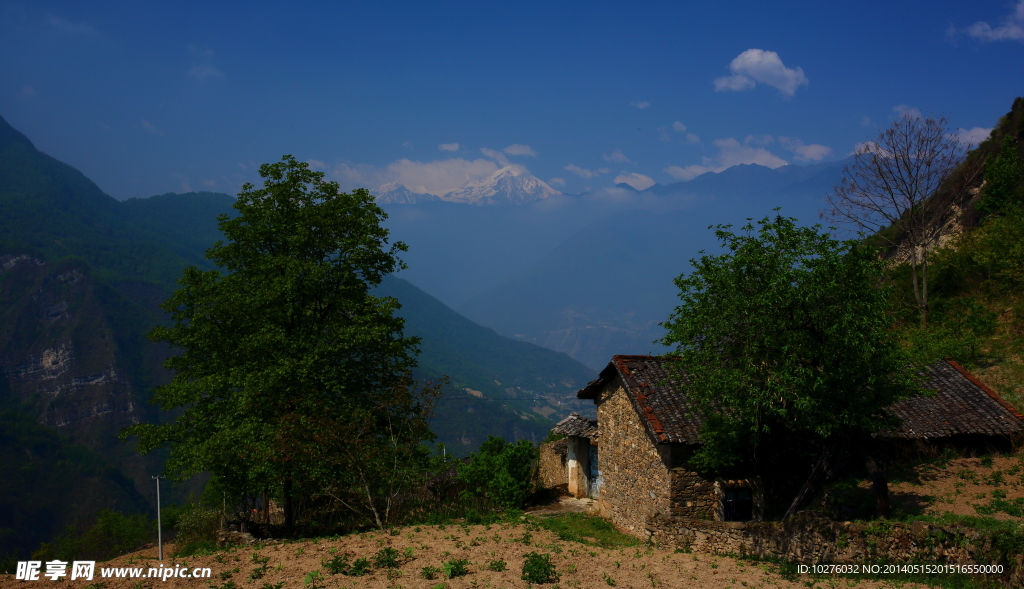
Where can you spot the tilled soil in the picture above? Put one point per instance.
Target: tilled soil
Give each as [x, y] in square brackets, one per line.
[963, 486]
[578, 565]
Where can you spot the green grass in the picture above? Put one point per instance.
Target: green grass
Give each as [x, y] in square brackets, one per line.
[587, 529]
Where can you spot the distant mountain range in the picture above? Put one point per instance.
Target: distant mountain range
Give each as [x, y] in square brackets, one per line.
[510, 185]
[591, 275]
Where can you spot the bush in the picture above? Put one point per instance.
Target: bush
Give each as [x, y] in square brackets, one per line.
[538, 568]
[386, 558]
[456, 567]
[431, 572]
[196, 528]
[359, 568]
[497, 565]
[501, 471]
[111, 535]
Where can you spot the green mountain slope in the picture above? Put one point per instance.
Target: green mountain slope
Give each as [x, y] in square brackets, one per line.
[499, 386]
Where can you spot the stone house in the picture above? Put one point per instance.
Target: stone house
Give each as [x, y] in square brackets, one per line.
[632, 459]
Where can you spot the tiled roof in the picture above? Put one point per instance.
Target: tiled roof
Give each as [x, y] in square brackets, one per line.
[576, 425]
[669, 417]
[962, 405]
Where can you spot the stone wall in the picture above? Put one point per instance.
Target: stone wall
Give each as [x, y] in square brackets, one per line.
[636, 480]
[552, 470]
[809, 538]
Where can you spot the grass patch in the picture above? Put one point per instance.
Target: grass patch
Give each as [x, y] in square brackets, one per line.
[587, 529]
[201, 548]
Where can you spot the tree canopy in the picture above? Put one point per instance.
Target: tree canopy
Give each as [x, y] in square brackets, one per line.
[783, 344]
[284, 351]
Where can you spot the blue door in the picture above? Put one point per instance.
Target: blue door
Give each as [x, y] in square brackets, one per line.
[593, 472]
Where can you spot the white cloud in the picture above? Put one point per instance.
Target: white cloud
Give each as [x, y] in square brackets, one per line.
[973, 136]
[151, 128]
[73, 28]
[448, 146]
[202, 72]
[755, 66]
[557, 181]
[907, 111]
[687, 173]
[678, 127]
[805, 153]
[209, 183]
[585, 173]
[734, 83]
[865, 121]
[437, 177]
[1012, 27]
[638, 181]
[731, 153]
[205, 69]
[517, 149]
[758, 140]
[495, 155]
[618, 157]
[316, 164]
[641, 104]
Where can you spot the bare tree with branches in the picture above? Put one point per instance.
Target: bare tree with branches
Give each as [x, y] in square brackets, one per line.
[886, 190]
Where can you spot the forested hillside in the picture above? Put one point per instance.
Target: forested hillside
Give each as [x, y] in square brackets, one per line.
[977, 264]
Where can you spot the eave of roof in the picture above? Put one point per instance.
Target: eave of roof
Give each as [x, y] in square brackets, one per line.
[962, 405]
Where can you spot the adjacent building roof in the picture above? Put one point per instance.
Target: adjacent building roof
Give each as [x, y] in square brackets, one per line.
[962, 404]
[576, 425]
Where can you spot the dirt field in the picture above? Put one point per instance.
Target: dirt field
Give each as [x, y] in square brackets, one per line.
[967, 486]
[287, 565]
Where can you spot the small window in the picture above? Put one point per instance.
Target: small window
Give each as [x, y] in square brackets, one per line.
[739, 505]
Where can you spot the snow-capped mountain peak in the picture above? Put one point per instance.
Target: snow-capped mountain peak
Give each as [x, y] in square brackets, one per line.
[512, 184]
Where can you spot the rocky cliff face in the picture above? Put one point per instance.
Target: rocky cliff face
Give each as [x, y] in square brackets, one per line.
[68, 359]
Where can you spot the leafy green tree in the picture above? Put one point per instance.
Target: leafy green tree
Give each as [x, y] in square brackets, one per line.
[283, 340]
[1003, 177]
[784, 344]
[501, 471]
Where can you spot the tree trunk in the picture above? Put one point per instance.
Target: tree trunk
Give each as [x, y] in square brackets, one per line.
[880, 485]
[829, 461]
[289, 516]
[917, 287]
[924, 287]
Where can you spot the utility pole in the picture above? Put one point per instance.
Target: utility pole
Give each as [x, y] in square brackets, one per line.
[159, 529]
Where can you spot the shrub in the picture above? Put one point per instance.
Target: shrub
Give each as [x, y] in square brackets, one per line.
[456, 567]
[497, 565]
[386, 558]
[195, 525]
[431, 572]
[501, 471]
[538, 568]
[337, 565]
[359, 568]
[111, 535]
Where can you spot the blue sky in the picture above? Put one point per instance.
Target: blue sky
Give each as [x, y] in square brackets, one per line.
[151, 97]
